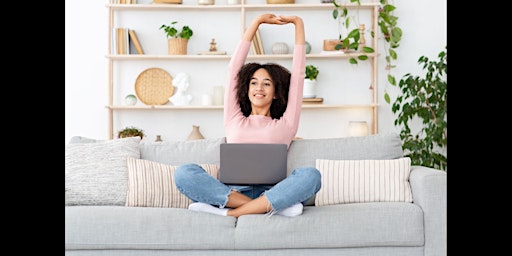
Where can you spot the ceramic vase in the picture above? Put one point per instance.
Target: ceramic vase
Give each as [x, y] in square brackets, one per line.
[309, 90]
[130, 100]
[195, 134]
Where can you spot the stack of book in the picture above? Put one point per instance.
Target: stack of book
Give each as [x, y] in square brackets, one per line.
[257, 45]
[123, 39]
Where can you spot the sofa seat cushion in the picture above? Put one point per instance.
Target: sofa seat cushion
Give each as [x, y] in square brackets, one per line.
[380, 224]
[335, 226]
[120, 227]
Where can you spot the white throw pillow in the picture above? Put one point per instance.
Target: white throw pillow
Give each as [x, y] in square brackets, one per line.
[96, 173]
[359, 181]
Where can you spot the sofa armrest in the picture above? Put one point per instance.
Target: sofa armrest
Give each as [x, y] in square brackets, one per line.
[429, 191]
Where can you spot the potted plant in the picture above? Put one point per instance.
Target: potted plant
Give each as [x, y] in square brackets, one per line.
[423, 100]
[352, 41]
[130, 132]
[391, 33]
[177, 39]
[309, 90]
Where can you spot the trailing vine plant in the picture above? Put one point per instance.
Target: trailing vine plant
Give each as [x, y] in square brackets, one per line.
[391, 33]
[424, 99]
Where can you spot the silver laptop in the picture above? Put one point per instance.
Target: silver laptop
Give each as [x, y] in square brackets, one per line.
[252, 163]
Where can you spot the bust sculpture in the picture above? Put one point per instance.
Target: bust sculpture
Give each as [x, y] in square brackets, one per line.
[181, 84]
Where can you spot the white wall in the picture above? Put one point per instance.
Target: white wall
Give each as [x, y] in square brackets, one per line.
[424, 25]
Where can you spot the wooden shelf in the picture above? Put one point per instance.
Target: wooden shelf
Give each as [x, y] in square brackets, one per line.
[191, 107]
[227, 57]
[243, 9]
[236, 7]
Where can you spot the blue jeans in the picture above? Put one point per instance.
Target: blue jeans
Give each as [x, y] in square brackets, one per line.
[195, 183]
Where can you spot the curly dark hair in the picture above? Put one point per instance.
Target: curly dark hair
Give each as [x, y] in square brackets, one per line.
[281, 78]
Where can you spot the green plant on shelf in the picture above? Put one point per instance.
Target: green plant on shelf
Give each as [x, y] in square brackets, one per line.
[388, 26]
[172, 32]
[311, 72]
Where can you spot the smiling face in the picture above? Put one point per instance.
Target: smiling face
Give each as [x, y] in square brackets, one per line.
[261, 91]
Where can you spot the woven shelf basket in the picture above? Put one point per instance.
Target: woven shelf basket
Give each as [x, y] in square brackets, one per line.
[153, 86]
[177, 46]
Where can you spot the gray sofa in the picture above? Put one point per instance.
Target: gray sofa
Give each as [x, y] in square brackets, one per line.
[369, 228]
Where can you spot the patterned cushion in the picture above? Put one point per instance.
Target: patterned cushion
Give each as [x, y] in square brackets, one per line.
[96, 173]
[151, 184]
[359, 181]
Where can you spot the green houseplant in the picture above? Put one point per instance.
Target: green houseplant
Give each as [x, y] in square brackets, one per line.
[130, 131]
[311, 72]
[172, 32]
[309, 90]
[177, 39]
[424, 99]
[388, 26]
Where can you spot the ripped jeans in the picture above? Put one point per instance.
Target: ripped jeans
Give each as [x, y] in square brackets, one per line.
[195, 183]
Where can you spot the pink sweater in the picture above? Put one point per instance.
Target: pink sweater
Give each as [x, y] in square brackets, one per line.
[263, 129]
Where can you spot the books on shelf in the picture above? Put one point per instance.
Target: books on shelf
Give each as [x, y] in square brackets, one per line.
[135, 41]
[125, 41]
[256, 44]
[121, 41]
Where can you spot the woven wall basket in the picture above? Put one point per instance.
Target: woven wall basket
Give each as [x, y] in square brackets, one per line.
[280, 1]
[177, 46]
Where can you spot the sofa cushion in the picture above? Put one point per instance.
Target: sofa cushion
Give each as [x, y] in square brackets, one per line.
[151, 184]
[205, 151]
[358, 181]
[377, 225]
[96, 173]
[146, 228]
[377, 146]
[380, 224]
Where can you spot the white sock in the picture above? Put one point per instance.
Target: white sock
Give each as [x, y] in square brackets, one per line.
[202, 207]
[291, 211]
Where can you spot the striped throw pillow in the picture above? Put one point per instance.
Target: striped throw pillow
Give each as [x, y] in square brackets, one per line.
[359, 181]
[151, 184]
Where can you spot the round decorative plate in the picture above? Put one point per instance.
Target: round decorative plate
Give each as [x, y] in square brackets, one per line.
[153, 86]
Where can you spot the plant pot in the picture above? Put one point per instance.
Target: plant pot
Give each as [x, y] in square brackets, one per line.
[329, 44]
[309, 90]
[177, 46]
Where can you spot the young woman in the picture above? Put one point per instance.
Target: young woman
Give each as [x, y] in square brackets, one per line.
[262, 105]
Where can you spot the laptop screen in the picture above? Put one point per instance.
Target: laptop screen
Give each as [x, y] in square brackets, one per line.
[252, 163]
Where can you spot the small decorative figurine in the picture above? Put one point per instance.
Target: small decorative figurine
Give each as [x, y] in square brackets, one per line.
[213, 45]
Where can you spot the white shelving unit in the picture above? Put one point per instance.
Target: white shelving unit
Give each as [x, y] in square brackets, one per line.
[115, 62]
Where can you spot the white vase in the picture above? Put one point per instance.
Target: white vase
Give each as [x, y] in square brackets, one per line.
[309, 90]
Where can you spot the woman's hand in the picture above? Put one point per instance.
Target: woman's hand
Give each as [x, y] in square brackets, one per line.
[290, 19]
[269, 18]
